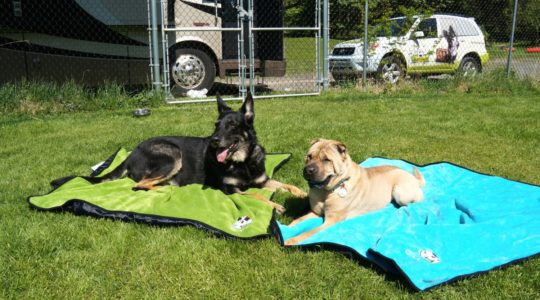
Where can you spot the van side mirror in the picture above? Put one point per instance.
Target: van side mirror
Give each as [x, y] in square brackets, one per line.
[419, 34]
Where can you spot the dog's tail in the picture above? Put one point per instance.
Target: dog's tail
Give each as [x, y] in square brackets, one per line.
[419, 177]
[114, 174]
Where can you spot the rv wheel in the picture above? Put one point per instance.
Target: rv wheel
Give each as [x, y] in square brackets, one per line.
[192, 69]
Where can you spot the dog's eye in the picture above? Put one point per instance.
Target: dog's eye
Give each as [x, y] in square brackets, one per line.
[308, 157]
[327, 160]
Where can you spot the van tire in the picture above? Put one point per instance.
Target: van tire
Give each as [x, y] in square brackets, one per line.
[391, 70]
[469, 66]
[191, 69]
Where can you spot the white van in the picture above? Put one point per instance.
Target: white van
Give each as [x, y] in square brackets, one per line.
[439, 44]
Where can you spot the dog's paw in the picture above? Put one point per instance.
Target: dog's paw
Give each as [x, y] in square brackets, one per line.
[302, 195]
[279, 209]
[298, 193]
[291, 242]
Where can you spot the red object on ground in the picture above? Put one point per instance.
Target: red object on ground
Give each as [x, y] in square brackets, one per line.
[533, 50]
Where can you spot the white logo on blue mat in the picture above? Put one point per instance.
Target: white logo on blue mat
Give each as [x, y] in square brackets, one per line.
[242, 222]
[428, 255]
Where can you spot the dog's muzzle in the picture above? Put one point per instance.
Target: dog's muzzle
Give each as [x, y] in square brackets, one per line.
[320, 184]
[310, 172]
[223, 152]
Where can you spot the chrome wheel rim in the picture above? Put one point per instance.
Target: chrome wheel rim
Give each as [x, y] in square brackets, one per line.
[188, 71]
[469, 68]
[391, 72]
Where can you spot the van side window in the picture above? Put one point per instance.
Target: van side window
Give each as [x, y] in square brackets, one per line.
[462, 27]
[429, 27]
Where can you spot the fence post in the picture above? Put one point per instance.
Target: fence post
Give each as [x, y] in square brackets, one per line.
[326, 40]
[509, 61]
[364, 62]
[155, 44]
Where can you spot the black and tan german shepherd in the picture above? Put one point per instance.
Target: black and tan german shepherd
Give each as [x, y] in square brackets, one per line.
[230, 159]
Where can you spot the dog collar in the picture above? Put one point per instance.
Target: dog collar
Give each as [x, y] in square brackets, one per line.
[340, 188]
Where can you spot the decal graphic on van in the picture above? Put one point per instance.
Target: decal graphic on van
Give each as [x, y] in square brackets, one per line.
[449, 54]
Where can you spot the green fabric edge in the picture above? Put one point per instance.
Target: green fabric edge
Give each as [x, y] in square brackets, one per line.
[209, 207]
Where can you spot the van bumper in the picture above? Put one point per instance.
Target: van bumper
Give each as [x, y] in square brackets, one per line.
[351, 66]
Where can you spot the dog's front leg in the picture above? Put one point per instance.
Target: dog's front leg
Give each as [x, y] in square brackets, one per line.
[297, 239]
[309, 215]
[279, 208]
[274, 185]
[148, 184]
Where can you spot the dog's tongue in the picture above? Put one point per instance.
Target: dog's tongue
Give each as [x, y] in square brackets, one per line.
[222, 155]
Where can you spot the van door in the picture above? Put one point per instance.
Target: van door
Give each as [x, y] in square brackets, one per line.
[433, 55]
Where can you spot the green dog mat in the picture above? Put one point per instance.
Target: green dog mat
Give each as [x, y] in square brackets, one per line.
[236, 215]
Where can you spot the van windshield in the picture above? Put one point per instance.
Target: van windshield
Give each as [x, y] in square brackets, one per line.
[394, 27]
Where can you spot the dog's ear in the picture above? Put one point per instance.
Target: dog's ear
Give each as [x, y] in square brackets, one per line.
[247, 109]
[315, 141]
[222, 107]
[341, 148]
[451, 31]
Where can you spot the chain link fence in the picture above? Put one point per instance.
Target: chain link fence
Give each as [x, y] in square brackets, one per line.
[272, 47]
[232, 46]
[434, 38]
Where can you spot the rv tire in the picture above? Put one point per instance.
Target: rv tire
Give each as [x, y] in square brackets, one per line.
[191, 69]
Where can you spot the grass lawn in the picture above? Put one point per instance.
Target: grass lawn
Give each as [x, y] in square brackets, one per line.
[60, 255]
[300, 54]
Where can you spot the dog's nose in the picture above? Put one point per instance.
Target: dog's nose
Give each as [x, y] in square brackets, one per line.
[309, 170]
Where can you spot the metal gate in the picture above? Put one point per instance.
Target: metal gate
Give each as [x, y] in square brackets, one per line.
[232, 46]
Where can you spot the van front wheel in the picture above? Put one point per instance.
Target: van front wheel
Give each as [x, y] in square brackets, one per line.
[391, 69]
[192, 69]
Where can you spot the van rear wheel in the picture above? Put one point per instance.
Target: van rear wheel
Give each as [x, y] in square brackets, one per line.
[469, 66]
[192, 69]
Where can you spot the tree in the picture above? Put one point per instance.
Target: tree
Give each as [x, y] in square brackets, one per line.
[493, 16]
[528, 21]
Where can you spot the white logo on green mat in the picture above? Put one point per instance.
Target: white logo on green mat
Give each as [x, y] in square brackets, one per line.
[242, 223]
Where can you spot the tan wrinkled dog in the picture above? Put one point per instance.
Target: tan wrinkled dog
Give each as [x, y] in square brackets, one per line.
[340, 189]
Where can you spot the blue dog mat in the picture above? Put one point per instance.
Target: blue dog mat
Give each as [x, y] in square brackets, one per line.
[468, 223]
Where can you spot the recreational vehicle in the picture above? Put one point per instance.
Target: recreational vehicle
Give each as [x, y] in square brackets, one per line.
[92, 41]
